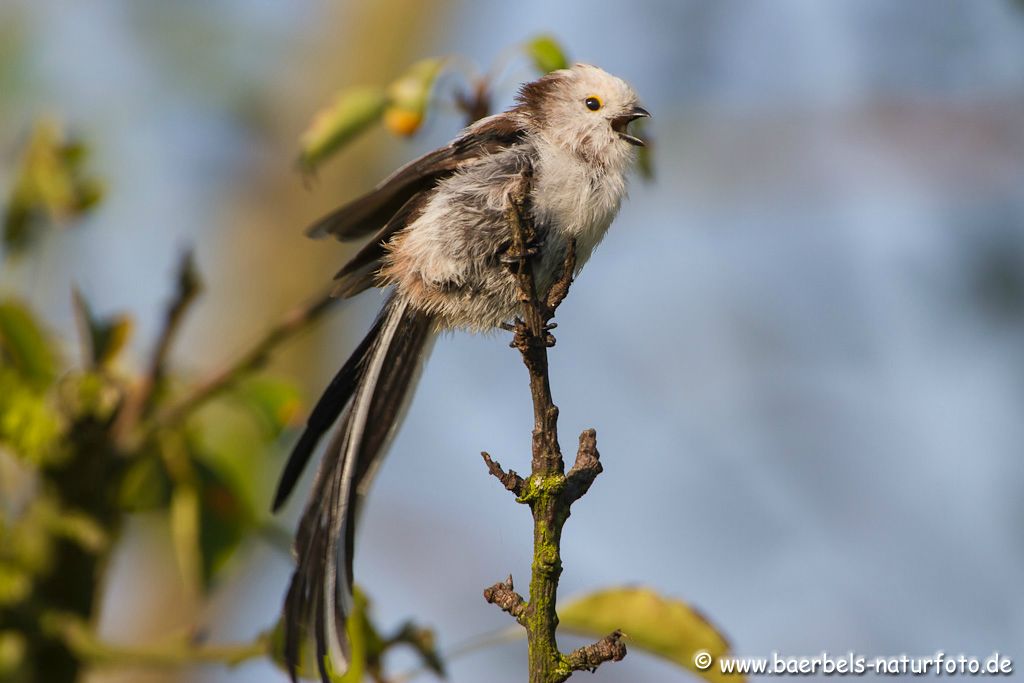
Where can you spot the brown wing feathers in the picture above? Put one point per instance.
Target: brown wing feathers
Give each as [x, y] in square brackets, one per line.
[358, 274]
[368, 213]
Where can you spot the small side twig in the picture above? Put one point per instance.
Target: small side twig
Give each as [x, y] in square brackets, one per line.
[560, 288]
[421, 640]
[139, 402]
[510, 480]
[503, 595]
[585, 468]
[476, 103]
[589, 657]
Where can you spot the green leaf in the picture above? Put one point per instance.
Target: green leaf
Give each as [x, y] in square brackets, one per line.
[547, 55]
[24, 346]
[351, 112]
[306, 668]
[224, 520]
[662, 626]
[273, 403]
[145, 485]
[229, 442]
[184, 517]
[409, 95]
[363, 639]
[15, 584]
[51, 185]
[29, 423]
[12, 653]
[88, 395]
[25, 536]
[103, 338]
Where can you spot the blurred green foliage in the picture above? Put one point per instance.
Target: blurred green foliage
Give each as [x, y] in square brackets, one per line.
[56, 436]
[351, 112]
[367, 646]
[71, 467]
[409, 95]
[545, 52]
[51, 185]
[402, 105]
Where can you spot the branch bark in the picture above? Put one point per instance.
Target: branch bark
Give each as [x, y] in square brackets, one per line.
[549, 491]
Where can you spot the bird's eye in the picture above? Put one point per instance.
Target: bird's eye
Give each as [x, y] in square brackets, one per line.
[593, 103]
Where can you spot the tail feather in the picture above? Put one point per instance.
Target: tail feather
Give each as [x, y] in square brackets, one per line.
[324, 414]
[384, 375]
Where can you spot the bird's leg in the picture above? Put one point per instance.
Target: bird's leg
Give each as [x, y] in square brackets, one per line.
[521, 337]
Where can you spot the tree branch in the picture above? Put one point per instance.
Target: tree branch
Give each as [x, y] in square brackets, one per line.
[586, 467]
[549, 491]
[510, 480]
[138, 402]
[503, 595]
[256, 356]
[589, 657]
[80, 639]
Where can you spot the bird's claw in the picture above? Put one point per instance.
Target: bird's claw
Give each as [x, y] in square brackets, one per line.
[513, 258]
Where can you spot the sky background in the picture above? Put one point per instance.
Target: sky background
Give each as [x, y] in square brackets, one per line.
[802, 344]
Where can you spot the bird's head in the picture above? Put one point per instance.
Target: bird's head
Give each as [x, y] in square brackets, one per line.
[584, 109]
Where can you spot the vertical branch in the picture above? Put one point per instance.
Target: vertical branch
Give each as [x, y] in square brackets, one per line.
[138, 403]
[532, 338]
[549, 491]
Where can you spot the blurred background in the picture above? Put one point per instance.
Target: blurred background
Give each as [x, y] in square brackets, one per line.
[802, 343]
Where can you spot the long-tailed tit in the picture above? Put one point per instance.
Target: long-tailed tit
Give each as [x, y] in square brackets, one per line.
[440, 228]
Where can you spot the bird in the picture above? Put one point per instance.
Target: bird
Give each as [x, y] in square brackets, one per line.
[440, 231]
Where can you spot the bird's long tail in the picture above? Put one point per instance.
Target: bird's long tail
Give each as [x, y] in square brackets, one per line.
[369, 393]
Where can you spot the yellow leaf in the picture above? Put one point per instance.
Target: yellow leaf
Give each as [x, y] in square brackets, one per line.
[402, 121]
[409, 95]
[662, 626]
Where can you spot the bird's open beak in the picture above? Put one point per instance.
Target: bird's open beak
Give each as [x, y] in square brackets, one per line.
[620, 123]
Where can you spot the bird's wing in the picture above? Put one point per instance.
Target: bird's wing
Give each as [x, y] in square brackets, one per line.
[360, 272]
[368, 213]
